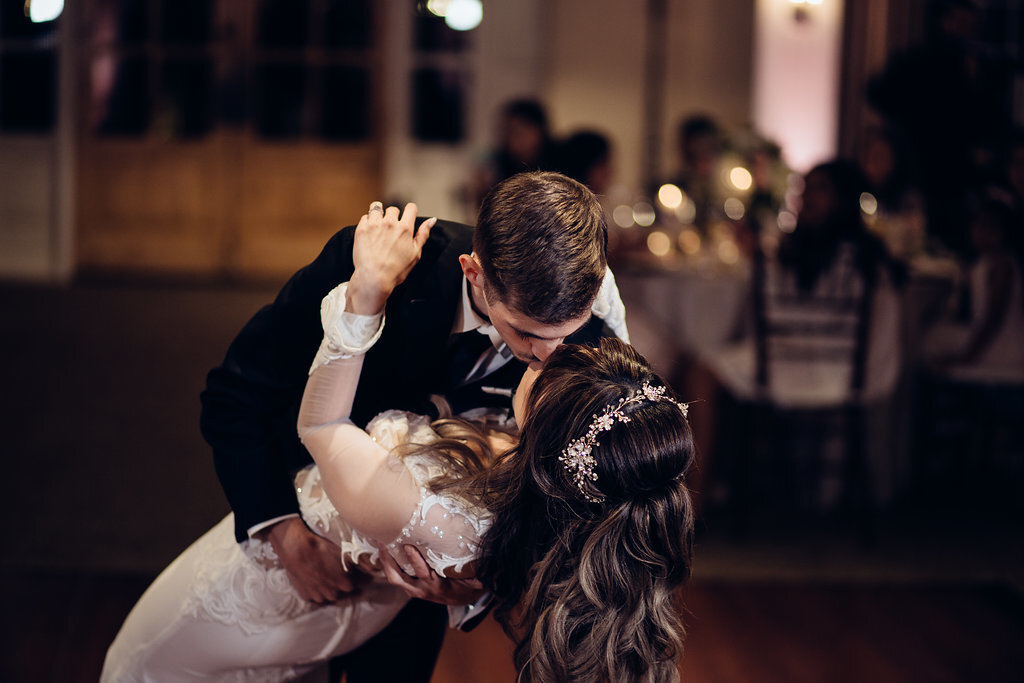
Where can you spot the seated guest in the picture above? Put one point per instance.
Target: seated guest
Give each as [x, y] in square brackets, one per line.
[586, 156]
[990, 345]
[899, 218]
[524, 144]
[813, 285]
[824, 322]
[700, 148]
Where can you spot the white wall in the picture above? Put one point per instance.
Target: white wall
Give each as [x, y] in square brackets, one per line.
[27, 201]
[709, 66]
[585, 60]
[796, 79]
[593, 75]
[505, 62]
[36, 226]
[594, 70]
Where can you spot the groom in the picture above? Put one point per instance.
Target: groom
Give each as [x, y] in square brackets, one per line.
[476, 308]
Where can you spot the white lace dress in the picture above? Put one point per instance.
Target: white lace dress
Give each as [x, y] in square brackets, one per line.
[226, 612]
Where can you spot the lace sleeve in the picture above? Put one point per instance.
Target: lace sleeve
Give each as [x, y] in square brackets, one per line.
[371, 489]
[446, 530]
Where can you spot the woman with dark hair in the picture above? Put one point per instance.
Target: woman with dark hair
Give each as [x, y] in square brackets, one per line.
[525, 140]
[990, 345]
[825, 320]
[830, 220]
[586, 156]
[587, 548]
[582, 530]
[524, 143]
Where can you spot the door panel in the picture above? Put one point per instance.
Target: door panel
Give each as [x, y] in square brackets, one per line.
[191, 161]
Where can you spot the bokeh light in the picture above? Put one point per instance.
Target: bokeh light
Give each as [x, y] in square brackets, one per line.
[734, 208]
[464, 15]
[40, 11]
[670, 196]
[728, 252]
[658, 243]
[795, 182]
[438, 7]
[689, 241]
[643, 214]
[687, 211]
[623, 216]
[787, 221]
[741, 178]
[868, 203]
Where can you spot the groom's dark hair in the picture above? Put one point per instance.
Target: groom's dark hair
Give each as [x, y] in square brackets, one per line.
[542, 241]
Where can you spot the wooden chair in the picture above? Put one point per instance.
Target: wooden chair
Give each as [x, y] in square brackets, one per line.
[811, 382]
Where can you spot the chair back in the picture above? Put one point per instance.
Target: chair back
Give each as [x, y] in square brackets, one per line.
[811, 345]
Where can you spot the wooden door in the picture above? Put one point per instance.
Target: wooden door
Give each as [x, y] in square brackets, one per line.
[223, 137]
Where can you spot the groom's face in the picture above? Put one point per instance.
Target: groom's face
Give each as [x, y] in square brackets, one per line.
[529, 340]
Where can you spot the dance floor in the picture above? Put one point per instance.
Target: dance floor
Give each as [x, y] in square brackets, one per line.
[57, 627]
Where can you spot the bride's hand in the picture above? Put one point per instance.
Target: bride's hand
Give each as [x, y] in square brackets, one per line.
[385, 249]
[428, 584]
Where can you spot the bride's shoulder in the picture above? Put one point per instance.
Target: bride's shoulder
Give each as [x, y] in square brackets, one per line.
[395, 427]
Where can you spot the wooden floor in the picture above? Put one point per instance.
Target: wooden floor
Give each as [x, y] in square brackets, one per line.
[56, 629]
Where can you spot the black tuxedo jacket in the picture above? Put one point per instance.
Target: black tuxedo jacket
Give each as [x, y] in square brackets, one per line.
[251, 401]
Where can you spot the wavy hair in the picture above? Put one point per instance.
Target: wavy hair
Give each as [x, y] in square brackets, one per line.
[585, 589]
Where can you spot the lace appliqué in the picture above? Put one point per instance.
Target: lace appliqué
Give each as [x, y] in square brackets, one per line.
[345, 334]
[446, 529]
[254, 594]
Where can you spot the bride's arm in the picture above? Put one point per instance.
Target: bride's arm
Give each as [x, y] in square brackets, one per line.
[363, 483]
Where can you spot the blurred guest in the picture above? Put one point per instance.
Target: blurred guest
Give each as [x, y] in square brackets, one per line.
[990, 346]
[700, 152]
[946, 109]
[768, 177]
[586, 156]
[898, 214]
[807, 320]
[887, 170]
[1014, 175]
[829, 221]
[524, 144]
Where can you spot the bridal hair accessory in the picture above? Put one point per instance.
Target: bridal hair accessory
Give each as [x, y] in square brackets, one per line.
[576, 457]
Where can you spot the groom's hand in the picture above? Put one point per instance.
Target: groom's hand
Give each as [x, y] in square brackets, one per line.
[428, 584]
[385, 249]
[313, 564]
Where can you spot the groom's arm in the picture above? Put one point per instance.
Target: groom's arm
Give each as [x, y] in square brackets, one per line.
[250, 401]
[248, 410]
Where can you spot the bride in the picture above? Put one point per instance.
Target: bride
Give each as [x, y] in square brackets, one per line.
[581, 530]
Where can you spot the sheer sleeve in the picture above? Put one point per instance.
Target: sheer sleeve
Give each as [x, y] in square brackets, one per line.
[368, 490]
[378, 495]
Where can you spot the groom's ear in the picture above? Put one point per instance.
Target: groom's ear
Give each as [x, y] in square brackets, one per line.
[472, 269]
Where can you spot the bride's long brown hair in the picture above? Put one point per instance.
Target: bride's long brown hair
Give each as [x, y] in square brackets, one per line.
[585, 589]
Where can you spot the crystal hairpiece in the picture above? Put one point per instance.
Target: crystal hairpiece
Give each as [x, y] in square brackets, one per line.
[577, 458]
